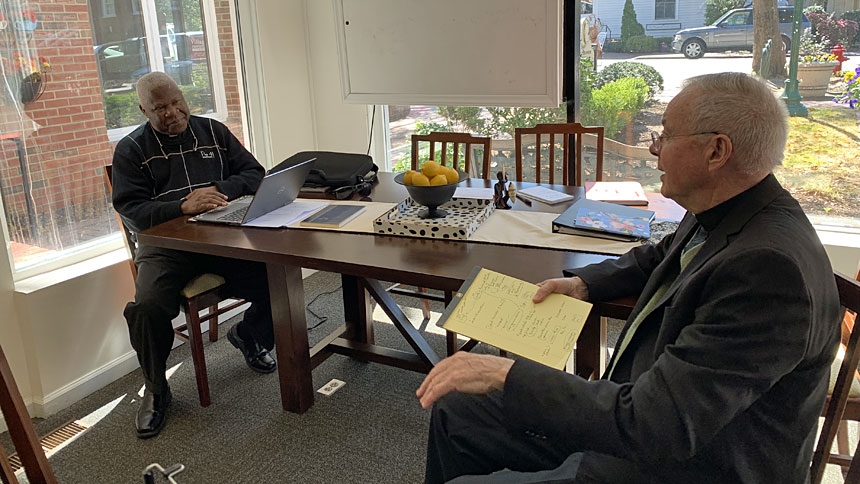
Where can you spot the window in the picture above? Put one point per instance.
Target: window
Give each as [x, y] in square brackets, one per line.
[64, 105]
[818, 169]
[664, 10]
[108, 8]
[160, 36]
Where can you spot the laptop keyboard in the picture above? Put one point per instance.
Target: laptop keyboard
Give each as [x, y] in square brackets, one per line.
[236, 215]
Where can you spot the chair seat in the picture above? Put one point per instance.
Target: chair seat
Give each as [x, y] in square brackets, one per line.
[854, 391]
[202, 283]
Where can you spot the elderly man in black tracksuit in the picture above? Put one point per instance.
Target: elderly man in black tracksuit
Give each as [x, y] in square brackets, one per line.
[177, 164]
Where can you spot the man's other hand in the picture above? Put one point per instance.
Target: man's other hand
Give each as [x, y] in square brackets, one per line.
[569, 286]
[203, 199]
[464, 372]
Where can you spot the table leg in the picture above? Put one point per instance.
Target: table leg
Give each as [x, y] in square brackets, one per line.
[287, 295]
[590, 357]
[357, 310]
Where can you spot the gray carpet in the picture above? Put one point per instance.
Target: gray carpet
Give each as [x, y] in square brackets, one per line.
[372, 430]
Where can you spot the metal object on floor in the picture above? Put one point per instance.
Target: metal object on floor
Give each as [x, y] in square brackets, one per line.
[153, 470]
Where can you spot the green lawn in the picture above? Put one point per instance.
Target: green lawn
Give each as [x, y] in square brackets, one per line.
[822, 160]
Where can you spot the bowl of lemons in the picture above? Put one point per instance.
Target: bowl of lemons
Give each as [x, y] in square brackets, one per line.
[432, 186]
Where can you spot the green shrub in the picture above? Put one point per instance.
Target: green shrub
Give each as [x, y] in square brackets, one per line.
[504, 121]
[613, 45]
[620, 70]
[630, 27]
[121, 110]
[641, 43]
[614, 105]
[716, 8]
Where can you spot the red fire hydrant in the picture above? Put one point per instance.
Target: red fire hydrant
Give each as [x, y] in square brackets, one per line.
[838, 50]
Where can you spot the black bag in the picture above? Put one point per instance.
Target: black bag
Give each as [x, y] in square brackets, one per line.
[334, 170]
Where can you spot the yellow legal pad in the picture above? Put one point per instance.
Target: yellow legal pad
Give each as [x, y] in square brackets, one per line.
[498, 310]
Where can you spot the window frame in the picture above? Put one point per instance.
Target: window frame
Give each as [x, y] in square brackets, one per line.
[153, 49]
[663, 5]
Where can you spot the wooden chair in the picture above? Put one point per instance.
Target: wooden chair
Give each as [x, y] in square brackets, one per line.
[457, 140]
[23, 433]
[568, 137]
[468, 143]
[462, 143]
[205, 291]
[836, 409]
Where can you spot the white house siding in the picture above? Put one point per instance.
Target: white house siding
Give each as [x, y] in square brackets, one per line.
[689, 13]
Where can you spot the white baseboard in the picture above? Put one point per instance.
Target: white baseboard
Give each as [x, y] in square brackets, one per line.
[97, 379]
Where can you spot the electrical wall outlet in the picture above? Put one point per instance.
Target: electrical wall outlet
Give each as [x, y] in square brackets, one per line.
[331, 387]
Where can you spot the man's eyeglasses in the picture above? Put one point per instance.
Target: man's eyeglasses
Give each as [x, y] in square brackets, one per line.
[658, 138]
[363, 188]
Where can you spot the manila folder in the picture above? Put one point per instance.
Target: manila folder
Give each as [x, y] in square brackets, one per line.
[498, 310]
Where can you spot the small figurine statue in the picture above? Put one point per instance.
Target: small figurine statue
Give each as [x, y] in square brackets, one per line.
[501, 192]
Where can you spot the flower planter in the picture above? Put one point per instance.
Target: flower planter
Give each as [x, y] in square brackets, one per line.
[31, 88]
[814, 77]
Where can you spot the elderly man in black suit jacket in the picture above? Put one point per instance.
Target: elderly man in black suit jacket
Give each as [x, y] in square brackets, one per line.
[721, 371]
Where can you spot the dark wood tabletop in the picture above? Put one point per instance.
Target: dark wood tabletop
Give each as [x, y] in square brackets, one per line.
[436, 264]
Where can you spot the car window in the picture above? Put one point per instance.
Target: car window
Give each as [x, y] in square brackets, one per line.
[737, 18]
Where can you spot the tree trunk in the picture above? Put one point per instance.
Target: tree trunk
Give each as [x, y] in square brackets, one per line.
[766, 27]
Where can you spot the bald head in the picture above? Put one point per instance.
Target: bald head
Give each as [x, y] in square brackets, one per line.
[163, 104]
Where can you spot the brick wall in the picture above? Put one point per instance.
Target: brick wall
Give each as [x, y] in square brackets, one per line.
[66, 155]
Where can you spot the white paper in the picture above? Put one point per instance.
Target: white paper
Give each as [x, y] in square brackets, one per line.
[474, 192]
[544, 194]
[288, 214]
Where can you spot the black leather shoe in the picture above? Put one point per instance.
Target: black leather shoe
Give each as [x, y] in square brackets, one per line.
[152, 413]
[257, 357]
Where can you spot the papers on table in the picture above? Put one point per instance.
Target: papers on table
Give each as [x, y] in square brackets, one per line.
[288, 214]
[474, 192]
[544, 194]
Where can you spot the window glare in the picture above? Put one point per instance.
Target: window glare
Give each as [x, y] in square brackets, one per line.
[68, 95]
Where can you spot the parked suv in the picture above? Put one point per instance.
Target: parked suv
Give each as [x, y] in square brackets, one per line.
[734, 30]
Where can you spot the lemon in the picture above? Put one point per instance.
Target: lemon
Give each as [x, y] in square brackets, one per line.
[430, 169]
[452, 176]
[439, 180]
[407, 177]
[420, 180]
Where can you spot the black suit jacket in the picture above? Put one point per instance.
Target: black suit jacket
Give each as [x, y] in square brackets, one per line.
[724, 381]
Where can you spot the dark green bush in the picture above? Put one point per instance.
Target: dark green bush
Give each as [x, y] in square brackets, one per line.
[630, 26]
[614, 105]
[715, 8]
[641, 43]
[620, 70]
[613, 45]
[121, 110]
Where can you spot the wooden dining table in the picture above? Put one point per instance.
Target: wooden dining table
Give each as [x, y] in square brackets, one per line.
[365, 259]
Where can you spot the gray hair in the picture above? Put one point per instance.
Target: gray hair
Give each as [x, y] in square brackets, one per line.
[150, 82]
[747, 111]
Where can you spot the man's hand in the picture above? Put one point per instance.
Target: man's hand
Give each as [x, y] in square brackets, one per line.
[464, 372]
[569, 286]
[203, 199]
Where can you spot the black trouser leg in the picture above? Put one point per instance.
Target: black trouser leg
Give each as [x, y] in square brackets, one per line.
[468, 437]
[156, 303]
[248, 280]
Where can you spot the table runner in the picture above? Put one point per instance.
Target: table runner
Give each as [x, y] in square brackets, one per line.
[505, 227]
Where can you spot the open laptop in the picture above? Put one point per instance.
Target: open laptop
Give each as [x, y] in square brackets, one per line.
[276, 190]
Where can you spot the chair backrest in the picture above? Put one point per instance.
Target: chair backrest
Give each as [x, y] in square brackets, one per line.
[849, 298]
[21, 430]
[569, 137]
[127, 239]
[466, 140]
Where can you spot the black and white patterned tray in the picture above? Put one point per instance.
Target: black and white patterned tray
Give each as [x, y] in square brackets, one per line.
[464, 217]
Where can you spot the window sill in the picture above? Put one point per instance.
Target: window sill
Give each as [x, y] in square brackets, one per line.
[68, 273]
